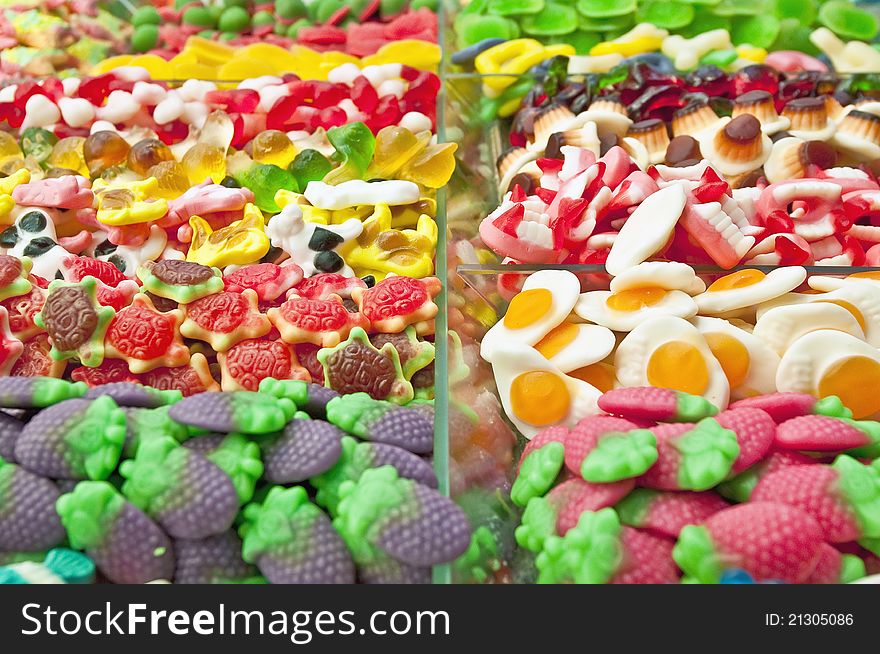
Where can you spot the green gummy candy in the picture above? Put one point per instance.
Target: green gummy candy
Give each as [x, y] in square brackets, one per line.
[794, 36]
[97, 438]
[537, 473]
[37, 143]
[833, 407]
[240, 459]
[144, 38]
[623, 22]
[480, 559]
[665, 15]
[88, 513]
[327, 8]
[739, 488]
[429, 4]
[198, 16]
[47, 391]
[588, 554]
[289, 9]
[851, 568]
[355, 412]
[605, 8]
[515, 7]
[471, 28]
[153, 477]
[692, 408]
[347, 468]
[259, 413]
[147, 15]
[707, 454]
[634, 507]
[354, 144]
[860, 485]
[537, 524]
[695, 554]
[760, 31]
[293, 29]
[620, 455]
[739, 7]
[295, 390]
[703, 3]
[263, 18]
[390, 7]
[848, 21]
[871, 544]
[803, 11]
[265, 180]
[871, 430]
[145, 424]
[234, 19]
[363, 506]
[719, 58]
[705, 22]
[228, 36]
[269, 525]
[555, 20]
[207, 34]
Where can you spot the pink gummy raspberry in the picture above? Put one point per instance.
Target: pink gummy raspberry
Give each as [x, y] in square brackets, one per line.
[819, 434]
[666, 513]
[814, 490]
[663, 475]
[647, 559]
[755, 431]
[779, 406]
[586, 434]
[828, 568]
[571, 498]
[556, 434]
[769, 540]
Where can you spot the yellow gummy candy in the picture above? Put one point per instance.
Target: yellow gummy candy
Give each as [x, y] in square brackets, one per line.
[7, 204]
[381, 250]
[490, 61]
[21, 176]
[109, 64]
[158, 67]
[212, 53]
[757, 55]
[432, 167]
[192, 70]
[239, 243]
[244, 68]
[129, 203]
[283, 197]
[628, 48]
[407, 215]
[418, 54]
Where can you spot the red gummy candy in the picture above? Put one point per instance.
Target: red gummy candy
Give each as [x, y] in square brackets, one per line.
[817, 433]
[110, 370]
[322, 35]
[666, 513]
[585, 436]
[35, 360]
[78, 267]
[243, 101]
[755, 431]
[364, 95]
[574, 496]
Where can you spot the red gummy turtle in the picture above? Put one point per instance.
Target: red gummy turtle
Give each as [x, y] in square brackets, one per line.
[194, 377]
[110, 370]
[14, 278]
[307, 353]
[323, 285]
[118, 296]
[35, 360]
[269, 280]
[75, 268]
[398, 301]
[146, 338]
[249, 362]
[22, 309]
[223, 319]
[321, 322]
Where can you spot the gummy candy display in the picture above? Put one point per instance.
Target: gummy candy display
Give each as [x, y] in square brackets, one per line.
[204, 481]
[586, 293]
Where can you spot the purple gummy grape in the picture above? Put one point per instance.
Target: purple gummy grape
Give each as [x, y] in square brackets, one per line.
[44, 446]
[212, 560]
[437, 531]
[211, 411]
[135, 550]
[28, 521]
[10, 429]
[410, 429]
[390, 571]
[317, 398]
[205, 503]
[408, 465]
[305, 449]
[315, 555]
[128, 394]
[204, 445]
[66, 485]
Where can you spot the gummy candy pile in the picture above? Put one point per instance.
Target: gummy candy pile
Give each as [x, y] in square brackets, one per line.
[290, 484]
[663, 488]
[39, 37]
[358, 27]
[758, 186]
